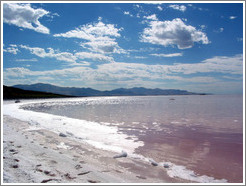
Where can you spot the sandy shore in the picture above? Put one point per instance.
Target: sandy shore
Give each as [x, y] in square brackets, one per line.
[41, 156]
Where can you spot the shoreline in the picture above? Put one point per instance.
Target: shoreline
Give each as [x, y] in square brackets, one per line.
[97, 143]
[41, 156]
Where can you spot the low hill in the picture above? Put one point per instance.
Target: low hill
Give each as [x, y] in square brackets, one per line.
[16, 93]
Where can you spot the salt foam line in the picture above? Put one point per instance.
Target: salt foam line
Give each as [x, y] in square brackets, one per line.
[184, 173]
[100, 136]
[180, 171]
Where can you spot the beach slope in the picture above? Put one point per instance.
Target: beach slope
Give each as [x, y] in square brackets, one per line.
[41, 156]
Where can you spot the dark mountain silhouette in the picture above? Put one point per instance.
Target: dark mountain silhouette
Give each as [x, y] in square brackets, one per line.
[16, 93]
[72, 91]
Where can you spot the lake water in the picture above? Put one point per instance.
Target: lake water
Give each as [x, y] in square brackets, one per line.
[201, 133]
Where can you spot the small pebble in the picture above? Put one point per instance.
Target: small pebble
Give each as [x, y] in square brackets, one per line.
[15, 166]
[62, 135]
[166, 166]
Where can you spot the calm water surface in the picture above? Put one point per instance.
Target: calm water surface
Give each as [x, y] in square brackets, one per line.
[203, 133]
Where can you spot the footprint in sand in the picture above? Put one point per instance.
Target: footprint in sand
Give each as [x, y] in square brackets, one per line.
[78, 166]
[83, 173]
[92, 181]
[49, 173]
[68, 176]
[13, 151]
[141, 177]
[117, 171]
[48, 180]
[105, 171]
[53, 161]
[39, 170]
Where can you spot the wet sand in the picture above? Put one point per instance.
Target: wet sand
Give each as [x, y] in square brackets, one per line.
[41, 156]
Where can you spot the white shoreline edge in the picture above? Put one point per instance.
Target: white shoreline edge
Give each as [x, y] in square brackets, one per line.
[42, 121]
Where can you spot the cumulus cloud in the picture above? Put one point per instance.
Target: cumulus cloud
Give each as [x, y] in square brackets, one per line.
[181, 8]
[24, 16]
[151, 17]
[174, 32]
[168, 55]
[13, 49]
[101, 37]
[92, 31]
[103, 45]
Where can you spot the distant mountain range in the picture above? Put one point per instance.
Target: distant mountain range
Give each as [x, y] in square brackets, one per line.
[72, 91]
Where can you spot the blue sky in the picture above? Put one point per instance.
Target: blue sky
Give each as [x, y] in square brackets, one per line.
[192, 46]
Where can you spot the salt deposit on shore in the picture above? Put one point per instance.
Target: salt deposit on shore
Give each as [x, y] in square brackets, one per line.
[41, 156]
[43, 148]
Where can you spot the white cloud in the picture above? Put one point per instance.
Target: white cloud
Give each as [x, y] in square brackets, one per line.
[115, 75]
[100, 37]
[18, 72]
[13, 49]
[140, 57]
[52, 15]
[232, 17]
[128, 13]
[67, 56]
[174, 32]
[219, 64]
[168, 55]
[203, 27]
[92, 31]
[151, 17]
[113, 72]
[51, 53]
[25, 60]
[24, 16]
[181, 8]
[147, 49]
[103, 46]
[219, 30]
[95, 57]
[159, 8]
